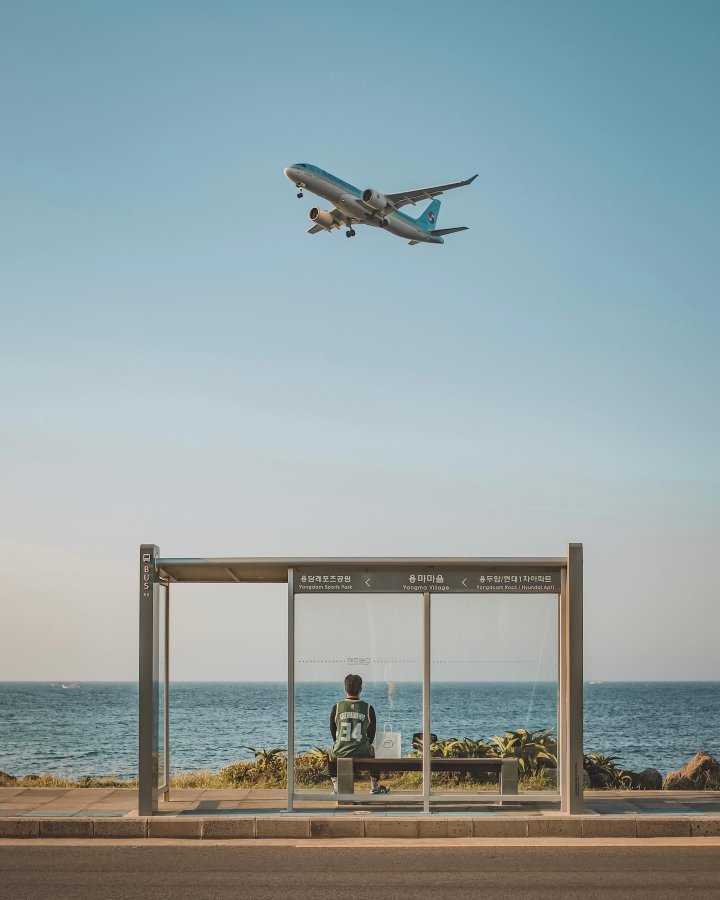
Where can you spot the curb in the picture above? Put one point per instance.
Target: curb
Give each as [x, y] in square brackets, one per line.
[323, 827]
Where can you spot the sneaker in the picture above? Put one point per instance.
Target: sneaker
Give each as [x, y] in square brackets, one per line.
[380, 789]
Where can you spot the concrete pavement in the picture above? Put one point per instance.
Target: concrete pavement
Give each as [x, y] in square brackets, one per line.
[16, 801]
[212, 814]
[363, 826]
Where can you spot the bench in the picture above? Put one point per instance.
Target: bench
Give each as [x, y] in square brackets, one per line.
[346, 766]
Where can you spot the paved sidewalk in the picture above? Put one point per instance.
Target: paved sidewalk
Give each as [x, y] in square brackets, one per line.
[199, 813]
[15, 801]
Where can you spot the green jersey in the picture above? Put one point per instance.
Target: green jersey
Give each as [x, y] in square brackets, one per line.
[352, 718]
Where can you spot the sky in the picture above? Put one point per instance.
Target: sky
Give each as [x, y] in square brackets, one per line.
[181, 364]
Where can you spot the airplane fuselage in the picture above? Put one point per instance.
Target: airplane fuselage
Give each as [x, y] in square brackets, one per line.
[348, 199]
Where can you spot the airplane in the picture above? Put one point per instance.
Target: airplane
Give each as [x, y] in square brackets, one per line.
[351, 206]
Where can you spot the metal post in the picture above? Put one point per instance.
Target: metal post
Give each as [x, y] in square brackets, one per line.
[559, 702]
[575, 677]
[562, 781]
[291, 691]
[571, 673]
[148, 682]
[426, 702]
[166, 693]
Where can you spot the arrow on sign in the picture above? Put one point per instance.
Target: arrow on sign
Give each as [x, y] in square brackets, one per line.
[367, 582]
[464, 581]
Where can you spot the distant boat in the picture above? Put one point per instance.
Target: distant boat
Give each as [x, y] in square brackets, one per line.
[595, 682]
[70, 684]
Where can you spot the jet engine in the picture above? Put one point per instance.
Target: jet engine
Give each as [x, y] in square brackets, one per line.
[321, 217]
[375, 200]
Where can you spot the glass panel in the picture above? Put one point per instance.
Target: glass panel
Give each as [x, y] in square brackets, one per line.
[378, 637]
[494, 690]
[228, 697]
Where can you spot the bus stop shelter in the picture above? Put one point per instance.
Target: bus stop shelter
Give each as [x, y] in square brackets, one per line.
[427, 578]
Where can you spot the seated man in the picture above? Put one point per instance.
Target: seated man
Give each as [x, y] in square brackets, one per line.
[352, 726]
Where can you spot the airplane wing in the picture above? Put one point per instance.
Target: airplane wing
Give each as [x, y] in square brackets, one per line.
[340, 219]
[405, 197]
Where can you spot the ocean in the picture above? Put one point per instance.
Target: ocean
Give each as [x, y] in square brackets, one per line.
[92, 729]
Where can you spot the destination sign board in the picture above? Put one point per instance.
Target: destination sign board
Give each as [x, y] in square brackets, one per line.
[491, 580]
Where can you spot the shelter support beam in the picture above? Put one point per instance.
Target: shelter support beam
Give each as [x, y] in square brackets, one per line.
[291, 691]
[148, 682]
[426, 703]
[166, 694]
[571, 684]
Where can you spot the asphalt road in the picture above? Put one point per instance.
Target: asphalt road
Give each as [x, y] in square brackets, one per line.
[288, 872]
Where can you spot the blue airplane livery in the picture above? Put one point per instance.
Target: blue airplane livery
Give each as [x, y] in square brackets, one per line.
[351, 206]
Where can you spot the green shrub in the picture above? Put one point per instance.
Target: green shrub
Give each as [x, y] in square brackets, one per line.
[105, 781]
[604, 773]
[267, 770]
[311, 769]
[534, 750]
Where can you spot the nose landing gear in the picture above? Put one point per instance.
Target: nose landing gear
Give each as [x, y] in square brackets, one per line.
[300, 191]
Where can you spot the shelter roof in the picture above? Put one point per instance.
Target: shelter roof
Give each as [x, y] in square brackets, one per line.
[275, 569]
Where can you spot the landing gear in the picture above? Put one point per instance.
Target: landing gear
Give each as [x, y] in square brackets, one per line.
[300, 193]
[383, 223]
[350, 232]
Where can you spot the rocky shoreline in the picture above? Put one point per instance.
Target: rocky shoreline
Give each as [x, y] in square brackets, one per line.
[701, 773]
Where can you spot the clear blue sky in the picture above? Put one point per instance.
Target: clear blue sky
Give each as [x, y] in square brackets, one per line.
[181, 363]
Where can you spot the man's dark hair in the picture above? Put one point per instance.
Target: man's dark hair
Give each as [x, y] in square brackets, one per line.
[353, 685]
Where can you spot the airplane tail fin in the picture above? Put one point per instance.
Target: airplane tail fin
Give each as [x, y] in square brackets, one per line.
[428, 220]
